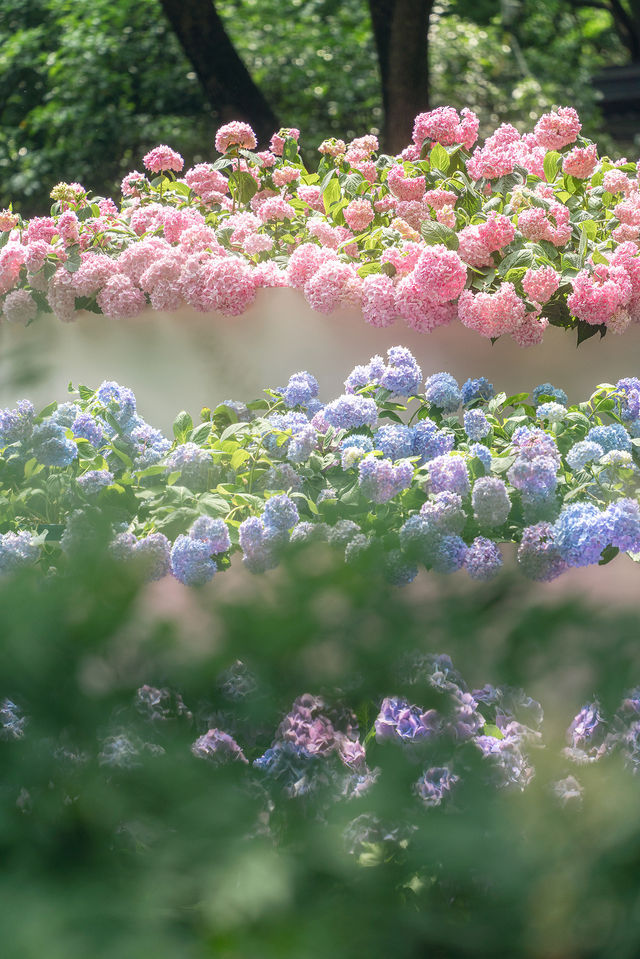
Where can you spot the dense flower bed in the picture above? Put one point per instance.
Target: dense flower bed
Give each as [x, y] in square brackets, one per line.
[410, 473]
[510, 236]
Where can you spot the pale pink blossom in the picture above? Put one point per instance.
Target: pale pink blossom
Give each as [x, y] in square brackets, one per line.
[615, 181]
[413, 212]
[68, 227]
[404, 187]
[258, 199]
[163, 158]
[206, 182]
[107, 207]
[334, 285]
[8, 220]
[530, 331]
[552, 225]
[268, 158]
[35, 255]
[368, 144]
[95, 270]
[218, 284]
[120, 299]
[257, 243]
[138, 257]
[438, 199]
[492, 314]
[305, 261]
[540, 284]
[385, 204]
[268, 274]
[133, 184]
[619, 322]
[12, 259]
[367, 168]
[628, 210]
[285, 175]
[444, 125]
[311, 195]
[332, 147]
[378, 300]
[555, 130]
[405, 229]
[597, 296]
[418, 309]
[235, 134]
[61, 295]
[447, 217]
[161, 280]
[41, 228]
[440, 273]
[496, 232]
[581, 162]
[19, 307]
[242, 225]
[358, 215]
[276, 210]
[404, 257]
[472, 248]
[278, 139]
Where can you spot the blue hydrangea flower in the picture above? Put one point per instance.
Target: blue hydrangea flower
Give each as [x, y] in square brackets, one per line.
[154, 553]
[554, 412]
[65, 414]
[476, 424]
[402, 375]
[478, 389]
[257, 543]
[192, 462]
[284, 422]
[400, 722]
[149, 446]
[86, 427]
[429, 441]
[214, 532]
[483, 559]
[343, 531]
[449, 473]
[536, 477]
[490, 499]
[380, 479]
[218, 747]
[302, 444]
[280, 513]
[17, 550]
[349, 412]
[449, 554]
[547, 390]
[395, 441]
[93, 481]
[397, 571]
[583, 452]
[301, 388]
[588, 728]
[12, 722]
[191, 561]
[119, 400]
[442, 391]
[613, 437]
[581, 532]
[241, 410]
[482, 453]
[51, 446]
[365, 375]
[16, 424]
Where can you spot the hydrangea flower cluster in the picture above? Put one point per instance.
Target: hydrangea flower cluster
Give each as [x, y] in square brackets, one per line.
[400, 471]
[508, 236]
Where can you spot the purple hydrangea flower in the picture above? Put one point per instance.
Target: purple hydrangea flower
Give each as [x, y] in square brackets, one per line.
[365, 375]
[482, 453]
[539, 555]
[483, 559]
[444, 512]
[490, 499]
[192, 462]
[436, 785]
[449, 473]
[397, 570]
[443, 392]
[88, 428]
[623, 520]
[301, 389]
[449, 554]
[478, 389]
[149, 445]
[154, 553]
[65, 414]
[213, 532]
[218, 747]
[280, 513]
[258, 544]
[16, 424]
[400, 722]
[380, 479]
[343, 532]
[191, 561]
[349, 412]
[402, 375]
[17, 550]
[302, 444]
[476, 424]
[535, 476]
[93, 481]
[628, 390]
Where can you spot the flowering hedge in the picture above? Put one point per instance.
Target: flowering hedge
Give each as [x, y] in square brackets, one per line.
[432, 475]
[510, 236]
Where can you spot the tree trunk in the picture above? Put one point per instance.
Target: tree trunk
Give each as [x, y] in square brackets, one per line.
[225, 80]
[401, 33]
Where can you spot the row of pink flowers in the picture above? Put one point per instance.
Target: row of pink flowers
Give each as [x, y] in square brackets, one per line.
[488, 234]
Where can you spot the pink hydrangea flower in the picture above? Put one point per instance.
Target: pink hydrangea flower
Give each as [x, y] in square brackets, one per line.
[368, 144]
[552, 225]
[556, 130]
[276, 144]
[438, 199]
[305, 261]
[163, 158]
[581, 162]
[120, 299]
[628, 210]
[404, 187]
[472, 248]
[328, 235]
[597, 296]
[12, 259]
[496, 232]
[133, 184]
[41, 228]
[276, 210]
[235, 134]
[413, 212]
[332, 147]
[334, 285]
[285, 175]
[61, 295]
[8, 220]
[268, 158]
[440, 273]
[35, 255]
[403, 258]
[492, 314]
[531, 331]
[95, 270]
[269, 274]
[218, 284]
[419, 310]
[206, 182]
[378, 300]
[615, 181]
[358, 215]
[107, 207]
[161, 280]
[367, 168]
[257, 243]
[19, 307]
[135, 259]
[313, 196]
[540, 284]
[242, 224]
[445, 126]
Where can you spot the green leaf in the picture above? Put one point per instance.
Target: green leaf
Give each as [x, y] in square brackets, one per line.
[587, 330]
[434, 233]
[608, 553]
[367, 268]
[200, 434]
[4, 238]
[182, 424]
[518, 258]
[331, 194]
[551, 163]
[439, 158]
[493, 731]
[290, 152]
[239, 458]
[74, 260]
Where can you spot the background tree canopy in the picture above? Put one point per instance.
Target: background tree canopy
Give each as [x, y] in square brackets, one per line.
[87, 90]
